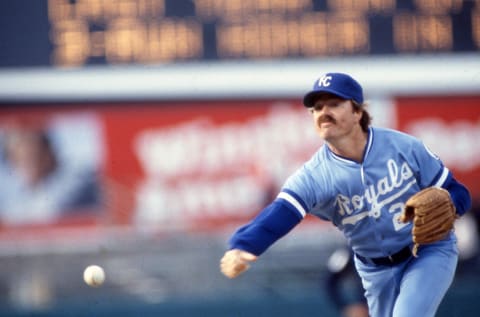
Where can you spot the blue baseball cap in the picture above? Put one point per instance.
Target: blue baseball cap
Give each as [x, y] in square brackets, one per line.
[338, 84]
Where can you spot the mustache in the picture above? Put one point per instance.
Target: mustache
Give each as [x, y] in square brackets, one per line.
[326, 118]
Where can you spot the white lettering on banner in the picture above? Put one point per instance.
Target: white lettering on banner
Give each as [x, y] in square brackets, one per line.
[203, 170]
[455, 142]
[324, 81]
[194, 200]
[201, 147]
[399, 177]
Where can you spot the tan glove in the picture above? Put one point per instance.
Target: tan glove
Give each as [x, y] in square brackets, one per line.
[433, 215]
[234, 262]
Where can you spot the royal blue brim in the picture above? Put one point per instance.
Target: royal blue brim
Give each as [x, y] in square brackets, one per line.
[310, 97]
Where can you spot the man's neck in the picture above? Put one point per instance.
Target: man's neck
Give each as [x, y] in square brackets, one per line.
[351, 147]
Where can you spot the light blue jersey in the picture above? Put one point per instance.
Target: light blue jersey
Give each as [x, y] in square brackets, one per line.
[364, 200]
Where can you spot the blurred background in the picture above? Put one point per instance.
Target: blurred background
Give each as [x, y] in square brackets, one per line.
[139, 134]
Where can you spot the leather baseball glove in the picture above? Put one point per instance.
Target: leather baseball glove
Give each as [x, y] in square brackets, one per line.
[433, 214]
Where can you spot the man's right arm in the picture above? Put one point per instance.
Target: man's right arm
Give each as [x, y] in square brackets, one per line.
[251, 240]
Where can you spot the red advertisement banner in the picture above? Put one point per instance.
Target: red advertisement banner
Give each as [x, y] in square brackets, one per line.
[182, 165]
[450, 127]
[203, 165]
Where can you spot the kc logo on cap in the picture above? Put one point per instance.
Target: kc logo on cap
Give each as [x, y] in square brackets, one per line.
[338, 84]
[324, 81]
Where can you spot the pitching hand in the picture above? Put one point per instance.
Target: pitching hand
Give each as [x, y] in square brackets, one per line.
[236, 261]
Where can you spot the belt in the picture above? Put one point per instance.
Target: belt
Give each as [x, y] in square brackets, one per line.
[396, 258]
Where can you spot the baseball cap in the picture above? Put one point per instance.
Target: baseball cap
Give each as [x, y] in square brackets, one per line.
[339, 84]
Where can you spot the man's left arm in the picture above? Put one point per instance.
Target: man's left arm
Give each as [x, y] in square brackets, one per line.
[459, 195]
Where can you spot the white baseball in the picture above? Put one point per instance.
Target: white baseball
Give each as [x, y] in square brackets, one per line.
[94, 275]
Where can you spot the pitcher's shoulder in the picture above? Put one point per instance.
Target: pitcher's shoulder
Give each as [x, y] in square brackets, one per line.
[392, 134]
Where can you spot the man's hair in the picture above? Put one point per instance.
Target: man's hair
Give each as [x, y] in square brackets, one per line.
[366, 119]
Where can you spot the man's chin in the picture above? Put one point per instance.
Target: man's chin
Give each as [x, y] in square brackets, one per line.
[325, 134]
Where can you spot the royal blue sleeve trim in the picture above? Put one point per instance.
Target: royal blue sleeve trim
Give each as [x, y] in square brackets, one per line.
[272, 223]
[459, 193]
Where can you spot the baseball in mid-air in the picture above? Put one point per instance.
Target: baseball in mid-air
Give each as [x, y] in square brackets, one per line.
[94, 275]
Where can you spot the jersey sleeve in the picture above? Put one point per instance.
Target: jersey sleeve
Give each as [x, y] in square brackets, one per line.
[434, 173]
[460, 195]
[430, 169]
[298, 191]
[277, 219]
[272, 223]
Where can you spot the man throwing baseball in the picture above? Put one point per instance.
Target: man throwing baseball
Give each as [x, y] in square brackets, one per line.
[392, 198]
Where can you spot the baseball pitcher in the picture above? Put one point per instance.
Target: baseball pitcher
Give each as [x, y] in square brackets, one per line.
[392, 198]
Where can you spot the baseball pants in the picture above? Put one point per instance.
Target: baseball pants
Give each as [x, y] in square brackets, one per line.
[414, 287]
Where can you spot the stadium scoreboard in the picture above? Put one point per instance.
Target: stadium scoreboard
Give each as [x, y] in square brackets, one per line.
[66, 33]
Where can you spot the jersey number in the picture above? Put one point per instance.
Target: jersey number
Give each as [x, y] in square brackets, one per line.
[397, 208]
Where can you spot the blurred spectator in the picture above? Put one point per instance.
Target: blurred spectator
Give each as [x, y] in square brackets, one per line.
[35, 187]
[467, 237]
[468, 240]
[344, 286]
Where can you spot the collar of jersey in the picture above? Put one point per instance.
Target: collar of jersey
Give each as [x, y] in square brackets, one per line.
[365, 152]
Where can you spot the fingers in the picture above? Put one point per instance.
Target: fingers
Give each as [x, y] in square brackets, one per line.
[247, 256]
[234, 262]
